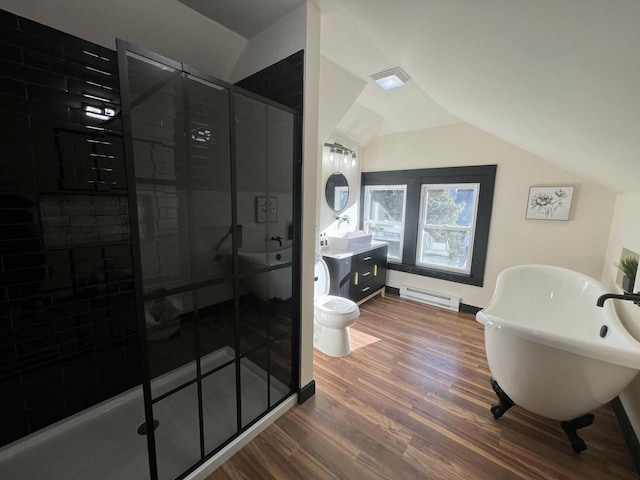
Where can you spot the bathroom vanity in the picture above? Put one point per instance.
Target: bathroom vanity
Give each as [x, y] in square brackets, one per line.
[358, 274]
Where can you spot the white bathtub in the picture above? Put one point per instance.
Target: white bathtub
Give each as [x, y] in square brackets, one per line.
[101, 443]
[272, 284]
[544, 344]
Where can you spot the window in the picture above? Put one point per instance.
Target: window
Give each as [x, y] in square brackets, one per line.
[447, 226]
[436, 221]
[384, 212]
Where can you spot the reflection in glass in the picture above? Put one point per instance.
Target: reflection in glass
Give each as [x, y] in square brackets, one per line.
[164, 235]
[210, 178]
[219, 407]
[253, 385]
[337, 191]
[177, 435]
[216, 321]
[280, 354]
[200, 304]
[170, 329]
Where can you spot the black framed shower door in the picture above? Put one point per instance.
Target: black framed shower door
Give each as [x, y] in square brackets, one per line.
[211, 169]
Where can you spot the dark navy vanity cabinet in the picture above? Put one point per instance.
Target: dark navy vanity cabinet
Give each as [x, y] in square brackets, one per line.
[358, 275]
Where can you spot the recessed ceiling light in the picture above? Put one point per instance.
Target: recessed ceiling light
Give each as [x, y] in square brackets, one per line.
[392, 78]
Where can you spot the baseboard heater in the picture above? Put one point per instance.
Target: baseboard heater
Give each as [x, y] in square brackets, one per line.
[430, 298]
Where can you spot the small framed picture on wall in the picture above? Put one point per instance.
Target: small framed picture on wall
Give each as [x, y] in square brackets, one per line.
[549, 203]
[266, 209]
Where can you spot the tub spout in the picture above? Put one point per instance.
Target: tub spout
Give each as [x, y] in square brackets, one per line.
[634, 297]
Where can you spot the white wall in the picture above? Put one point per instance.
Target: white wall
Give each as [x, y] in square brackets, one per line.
[579, 244]
[311, 170]
[339, 89]
[625, 233]
[167, 27]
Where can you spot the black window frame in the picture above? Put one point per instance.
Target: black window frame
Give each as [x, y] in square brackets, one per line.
[485, 175]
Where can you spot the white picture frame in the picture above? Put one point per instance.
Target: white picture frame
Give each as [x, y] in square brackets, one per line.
[266, 209]
[549, 203]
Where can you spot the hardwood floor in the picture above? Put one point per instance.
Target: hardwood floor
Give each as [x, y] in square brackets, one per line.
[415, 405]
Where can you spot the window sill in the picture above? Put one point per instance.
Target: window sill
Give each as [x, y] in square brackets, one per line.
[440, 274]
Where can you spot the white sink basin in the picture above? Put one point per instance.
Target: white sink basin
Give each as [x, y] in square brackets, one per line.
[349, 240]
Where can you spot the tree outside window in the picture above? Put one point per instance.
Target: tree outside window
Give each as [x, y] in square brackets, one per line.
[384, 216]
[447, 225]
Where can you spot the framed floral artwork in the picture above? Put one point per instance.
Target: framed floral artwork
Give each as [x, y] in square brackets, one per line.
[549, 203]
[266, 209]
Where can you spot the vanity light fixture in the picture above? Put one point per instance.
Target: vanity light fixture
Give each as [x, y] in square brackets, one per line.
[392, 78]
[346, 153]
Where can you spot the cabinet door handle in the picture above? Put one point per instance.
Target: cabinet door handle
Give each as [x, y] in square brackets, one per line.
[366, 274]
[365, 289]
[356, 279]
[375, 270]
[366, 259]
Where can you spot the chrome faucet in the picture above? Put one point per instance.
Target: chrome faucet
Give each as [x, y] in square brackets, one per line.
[633, 297]
[343, 218]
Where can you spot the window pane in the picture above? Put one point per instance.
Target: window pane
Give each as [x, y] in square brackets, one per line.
[448, 214]
[384, 215]
[451, 206]
[392, 234]
[445, 248]
[387, 205]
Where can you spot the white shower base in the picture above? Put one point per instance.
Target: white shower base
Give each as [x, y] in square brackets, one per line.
[102, 443]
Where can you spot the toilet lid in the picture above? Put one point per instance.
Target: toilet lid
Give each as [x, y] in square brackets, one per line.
[321, 280]
[333, 304]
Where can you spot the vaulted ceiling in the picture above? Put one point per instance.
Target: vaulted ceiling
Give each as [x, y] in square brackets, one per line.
[558, 78]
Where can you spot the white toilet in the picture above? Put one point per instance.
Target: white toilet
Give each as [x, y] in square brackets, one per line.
[332, 316]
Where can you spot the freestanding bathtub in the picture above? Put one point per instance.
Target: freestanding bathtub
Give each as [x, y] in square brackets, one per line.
[273, 283]
[551, 350]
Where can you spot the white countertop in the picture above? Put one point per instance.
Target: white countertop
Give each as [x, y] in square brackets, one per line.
[339, 254]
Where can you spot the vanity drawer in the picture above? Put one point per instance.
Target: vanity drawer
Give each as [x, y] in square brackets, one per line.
[364, 260]
[364, 275]
[358, 292]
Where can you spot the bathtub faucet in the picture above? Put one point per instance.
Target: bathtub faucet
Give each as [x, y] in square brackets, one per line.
[277, 239]
[634, 297]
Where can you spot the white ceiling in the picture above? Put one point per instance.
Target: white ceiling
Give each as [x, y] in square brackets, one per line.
[558, 78]
[245, 17]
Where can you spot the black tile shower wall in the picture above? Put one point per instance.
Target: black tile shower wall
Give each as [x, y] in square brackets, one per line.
[68, 329]
[282, 82]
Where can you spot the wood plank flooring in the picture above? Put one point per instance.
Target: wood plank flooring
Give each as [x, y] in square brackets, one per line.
[415, 405]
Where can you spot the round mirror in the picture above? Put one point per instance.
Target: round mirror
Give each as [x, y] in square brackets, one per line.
[337, 191]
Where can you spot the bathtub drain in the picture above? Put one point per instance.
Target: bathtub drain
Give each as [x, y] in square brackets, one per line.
[142, 429]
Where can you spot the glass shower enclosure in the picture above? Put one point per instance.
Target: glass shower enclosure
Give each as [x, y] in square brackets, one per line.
[211, 169]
